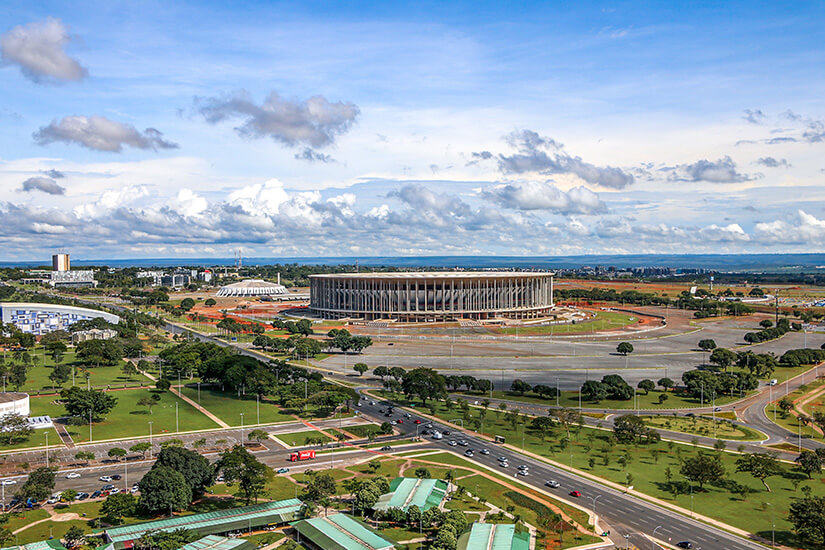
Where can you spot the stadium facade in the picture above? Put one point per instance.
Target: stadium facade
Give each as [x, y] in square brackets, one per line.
[38, 318]
[432, 296]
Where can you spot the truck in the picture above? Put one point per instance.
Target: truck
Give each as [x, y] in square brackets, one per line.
[301, 455]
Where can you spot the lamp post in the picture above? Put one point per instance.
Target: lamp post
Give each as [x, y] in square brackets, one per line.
[150, 439]
[177, 423]
[653, 542]
[90, 425]
[258, 406]
[241, 428]
[47, 449]
[594, 505]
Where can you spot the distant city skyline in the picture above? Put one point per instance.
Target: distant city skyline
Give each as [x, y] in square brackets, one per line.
[196, 129]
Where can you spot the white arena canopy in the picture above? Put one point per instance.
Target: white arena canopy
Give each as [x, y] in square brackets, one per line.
[252, 288]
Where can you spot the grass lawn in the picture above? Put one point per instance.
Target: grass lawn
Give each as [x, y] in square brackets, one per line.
[299, 439]
[592, 450]
[388, 467]
[37, 376]
[703, 426]
[570, 399]
[227, 406]
[21, 519]
[129, 420]
[363, 430]
[604, 320]
[37, 439]
[789, 421]
[56, 529]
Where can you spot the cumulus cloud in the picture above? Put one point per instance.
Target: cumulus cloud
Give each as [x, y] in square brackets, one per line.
[544, 155]
[46, 185]
[754, 116]
[101, 134]
[771, 162]
[722, 170]
[54, 174]
[315, 122]
[544, 196]
[804, 228]
[476, 158]
[311, 155]
[729, 233]
[39, 50]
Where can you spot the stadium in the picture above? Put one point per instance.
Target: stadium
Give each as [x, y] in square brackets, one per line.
[251, 288]
[432, 296]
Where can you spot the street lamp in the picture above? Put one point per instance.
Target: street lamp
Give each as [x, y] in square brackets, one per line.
[653, 537]
[150, 439]
[241, 428]
[594, 506]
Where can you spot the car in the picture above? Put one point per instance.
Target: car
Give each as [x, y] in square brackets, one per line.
[469, 452]
[691, 415]
[82, 496]
[485, 451]
[116, 477]
[107, 487]
[503, 463]
[463, 442]
[134, 489]
[54, 499]
[381, 410]
[394, 422]
[685, 544]
[523, 466]
[446, 432]
[575, 494]
[717, 409]
[407, 415]
[9, 482]
[553, 484]
[97, 494]
[452, 443]
[417, 421]
[522, 472]
[282, 470]
[400, 420]
[386, 448]
[502, 459]
[105, 478]
[72, 475]
[429, 426]
[219, 479]
[114, 491]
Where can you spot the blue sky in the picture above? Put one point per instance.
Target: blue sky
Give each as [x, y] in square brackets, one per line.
[193, 129]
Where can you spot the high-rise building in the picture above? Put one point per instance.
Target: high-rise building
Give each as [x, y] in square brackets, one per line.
[60, 262]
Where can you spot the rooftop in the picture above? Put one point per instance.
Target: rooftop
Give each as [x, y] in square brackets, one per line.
[494, 537]
[340, 532]
[409, 491]
[436, 275]
[212, 542]
[9, 396]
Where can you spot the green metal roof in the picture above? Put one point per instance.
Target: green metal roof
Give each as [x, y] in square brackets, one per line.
[409, 491]
[340, 532]
[53, 544]
[212, 542]
[489, 536]
[218, 521]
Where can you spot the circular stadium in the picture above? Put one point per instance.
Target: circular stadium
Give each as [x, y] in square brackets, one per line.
[432, 296]
[251, 288]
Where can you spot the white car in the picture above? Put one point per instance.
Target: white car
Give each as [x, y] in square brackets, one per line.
[114, 491]
[54, 499]
[106, 479]
[72, 475]
[9, 482]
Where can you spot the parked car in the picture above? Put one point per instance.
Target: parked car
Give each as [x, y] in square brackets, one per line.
[114, 491]
[82, 496]
[575, 494]
[107, 487]
[54, 499]
[97, 494]
[417, 421]
[9, 482]
[282, 470]
[72, 475]
[553, 484]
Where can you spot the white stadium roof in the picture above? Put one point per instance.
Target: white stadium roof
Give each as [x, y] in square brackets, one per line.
[252, 287]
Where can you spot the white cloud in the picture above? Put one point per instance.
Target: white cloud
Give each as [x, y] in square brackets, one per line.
[805, 228]
[260, 199]
[109, 201]
[730, 233]
[45, 185]
[533, 195]
[101, 134]
[39, 50]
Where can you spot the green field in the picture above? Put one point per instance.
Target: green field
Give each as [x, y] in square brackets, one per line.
[704, 426]
[228, 407]
[37, 439]
[647, 472]
[299, 439]
[604, 320]
[790, 421]
[129, 420]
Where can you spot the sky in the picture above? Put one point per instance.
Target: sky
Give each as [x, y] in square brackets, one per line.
[197, 129]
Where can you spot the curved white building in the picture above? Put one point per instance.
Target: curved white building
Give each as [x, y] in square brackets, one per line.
[432, 296]
[38, 318]
[14, 402]
[252, 288]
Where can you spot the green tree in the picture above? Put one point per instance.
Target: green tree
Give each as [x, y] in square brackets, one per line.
[163, 490]
[624, 348]
[17, 375]
[116, 452]
[807, 514]
[99, 352]
[360, 368]
[81, 403]
[766, 323]
[168, 540]
[318, 488]
[646, 385]
[665, 383]
[723, 358]
[761, 466]
[810, 462]
[163, 384]
[148, 402]
[258, 435]
[630, 428]
[422, 473]
[209, 302]
[141, 447]
[703, 468]
[85, 456]
[196, 470]
[424, 383]
[187, 303]
[39, 485]
[520, 386]
[706, 345]
[60, 375]
[118, 506]
[74, 537]
[785, 405]
[239, 465]
[594, 391]
[14, 428]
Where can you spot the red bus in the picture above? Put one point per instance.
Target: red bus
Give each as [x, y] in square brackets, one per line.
[301, 455]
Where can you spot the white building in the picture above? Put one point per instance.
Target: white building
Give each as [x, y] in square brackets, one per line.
[14, 402]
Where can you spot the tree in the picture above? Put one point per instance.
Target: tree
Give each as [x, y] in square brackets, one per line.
[118, 506]
[423, 383]
[810, 463]
[360, 368]
[665, 383]
[238, 465]
[646, 385]
[99, 352]
[14, 428]
[187, 303]
[706, 345]
[74, 537]
[163, 490]
[319, 487]
[766, 323]
[81, 403]
[520, 386]
[759, 465]
[196, 470]
[17, 375]
[663, 397]
[169, 540]
[703, 468]
[209, 302]
[141, 447]
[422, 473]
[39, 485]
[785, 405]
[807, 514]
[593, 390]
[624, 348]
[60, 375]
[163, 384]
[147, 401]
[116, 452]
[86, 456]
[129, 368]
[630, 428]
[723, 358]
[68, 495]
[381, 372]
[258, 435]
